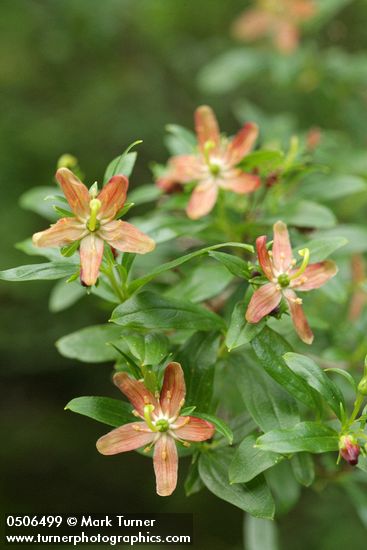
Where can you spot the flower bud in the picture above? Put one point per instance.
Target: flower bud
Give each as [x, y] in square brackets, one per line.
[349, 449]
[362, 386]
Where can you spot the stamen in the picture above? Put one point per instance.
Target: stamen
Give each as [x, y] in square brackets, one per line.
[135, 413]
[168, 395]
[137, 428]
[164, 455]
[298, 301]
[305, 254]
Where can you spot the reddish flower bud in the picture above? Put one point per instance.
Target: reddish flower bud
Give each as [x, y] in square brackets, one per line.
[349, 449]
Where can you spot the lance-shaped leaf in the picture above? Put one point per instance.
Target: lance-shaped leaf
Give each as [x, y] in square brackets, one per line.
[303, 468]
[149, 348]
[234, 264]
[250, 461]
[241, 332]
[317, 379]
[312, 437]
[90, 344]
[320, 249]
[253, 497]
[270, 349]
[64, 295]
[138, 283]
[151, 311]
[45, 272]
[109, 411]
[267, 402]
[198, 357]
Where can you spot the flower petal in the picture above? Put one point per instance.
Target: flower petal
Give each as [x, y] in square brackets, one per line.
[282, 250]
[75, 192]
[165, 465]
[113, 196]
[316, 275]
[252, 24]
[91, 254]
[202, 200]
[241, 183]
[264, 258]
[206, 126]
[126, 237]
[263, 301]
[173, 389]
[126, 438]
[298, 317]
[286, 36]
[243, 142]
[303, 9]
[136, 392]
[191, 428]
[65, 231]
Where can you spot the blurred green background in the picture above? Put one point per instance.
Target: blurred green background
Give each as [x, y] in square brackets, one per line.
[89, 77]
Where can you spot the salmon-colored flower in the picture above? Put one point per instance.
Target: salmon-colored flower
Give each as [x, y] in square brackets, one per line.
[93, 223]
[280, 269]
[349, 449]
[161, 425]
[359, 296]
[214, 166]
[279, 19]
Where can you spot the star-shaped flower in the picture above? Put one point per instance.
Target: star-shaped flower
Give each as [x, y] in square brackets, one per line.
[160, 425]
[214, 166]
[94, 223]
[284, 278]
[279, 19]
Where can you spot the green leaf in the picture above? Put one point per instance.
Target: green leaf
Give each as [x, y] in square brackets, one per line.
[201, 283]
[304, 214]
[151, 311]
[320, 249]
[230, 69]
[253, 497]
[331, 186]
[260, 534]
[303, 468]
[144, 194]
[250, 461]
[263, 160]
[345, 374]
[317, 379]
[103, 409]
[356, 235]
[234, 264]
[64, 295]
[311, 437]
[241, 332]
[267, 402]
[45, 272]
[220, 426]
[149, 348]
[34, 200]
[90, 344]
[270, 349]
[283, 486]
[193, 483]
[181, 141]
[198, 356]
[138, 283]
[123, 164]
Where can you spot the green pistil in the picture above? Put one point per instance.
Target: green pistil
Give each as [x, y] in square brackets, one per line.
[305, 254]
[284, 280]
[148, 409]
[95, 206]
[214, 169]
[162, 425]
[209, 145]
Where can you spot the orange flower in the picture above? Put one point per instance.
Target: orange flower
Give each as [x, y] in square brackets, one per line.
[161, 425]
[279, 268]
[279, 19]
[214, 167]
[93, 224]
